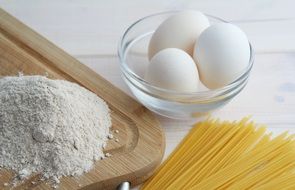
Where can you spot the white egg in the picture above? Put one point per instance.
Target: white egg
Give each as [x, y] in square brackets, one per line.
[178, 31]
[173, 69]
[222, 53]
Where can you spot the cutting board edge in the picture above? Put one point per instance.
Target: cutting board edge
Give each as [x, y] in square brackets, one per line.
[25, 38]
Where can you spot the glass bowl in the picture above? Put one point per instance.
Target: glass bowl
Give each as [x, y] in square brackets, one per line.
[133, 49]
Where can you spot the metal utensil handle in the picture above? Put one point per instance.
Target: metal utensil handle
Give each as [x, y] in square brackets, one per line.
[124, 186]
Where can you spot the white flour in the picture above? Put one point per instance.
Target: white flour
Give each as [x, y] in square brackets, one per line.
[52, 127]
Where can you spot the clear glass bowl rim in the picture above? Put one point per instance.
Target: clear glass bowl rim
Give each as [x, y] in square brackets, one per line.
[218, 91]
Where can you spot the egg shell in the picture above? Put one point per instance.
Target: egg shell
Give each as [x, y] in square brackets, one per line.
[222, 54]
[173, 69]
[178, 31]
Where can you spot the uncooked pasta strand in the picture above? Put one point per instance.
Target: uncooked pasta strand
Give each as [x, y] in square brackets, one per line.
[234, 152]
[195, 133]
[228, 149]
[264, 140]
[180, 164]
[228, 155]
[286, 168]
[193, 169]
[218, 179]
[256, 139]
[271, 168]
[284, 182]
[191, 155]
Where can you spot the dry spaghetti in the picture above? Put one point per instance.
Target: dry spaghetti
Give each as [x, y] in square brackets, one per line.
[228, 155]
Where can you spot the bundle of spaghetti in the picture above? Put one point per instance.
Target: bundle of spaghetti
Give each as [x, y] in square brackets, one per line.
[228, 155]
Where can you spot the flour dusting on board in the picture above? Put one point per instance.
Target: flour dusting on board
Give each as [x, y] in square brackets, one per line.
[53, 127]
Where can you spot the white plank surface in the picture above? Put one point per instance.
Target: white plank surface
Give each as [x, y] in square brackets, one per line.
[87, 27]
[90, 30]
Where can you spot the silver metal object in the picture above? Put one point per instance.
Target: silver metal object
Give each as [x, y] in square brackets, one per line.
[124, 186]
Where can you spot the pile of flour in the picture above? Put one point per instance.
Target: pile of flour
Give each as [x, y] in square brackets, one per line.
[52, 127]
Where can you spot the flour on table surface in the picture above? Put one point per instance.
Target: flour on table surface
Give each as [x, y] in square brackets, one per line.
[53, 127]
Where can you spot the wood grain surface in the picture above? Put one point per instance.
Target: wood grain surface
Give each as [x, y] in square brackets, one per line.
[141, 140]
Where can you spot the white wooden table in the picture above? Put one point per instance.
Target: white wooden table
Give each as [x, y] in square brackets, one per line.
[90, 31]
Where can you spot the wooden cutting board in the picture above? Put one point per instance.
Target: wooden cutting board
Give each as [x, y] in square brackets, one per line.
[141, 140]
